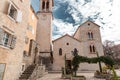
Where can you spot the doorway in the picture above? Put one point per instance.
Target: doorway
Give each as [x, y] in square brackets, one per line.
[68, 67]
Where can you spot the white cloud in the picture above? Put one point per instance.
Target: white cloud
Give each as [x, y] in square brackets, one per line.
[63, 28]
[108, 18]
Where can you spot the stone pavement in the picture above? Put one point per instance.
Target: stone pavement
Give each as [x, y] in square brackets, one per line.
[57, 76]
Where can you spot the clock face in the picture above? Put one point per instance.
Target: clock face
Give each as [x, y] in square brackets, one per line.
[44, 16]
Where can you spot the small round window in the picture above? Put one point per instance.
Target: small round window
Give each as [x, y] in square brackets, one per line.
[88, 24]
[67, 43]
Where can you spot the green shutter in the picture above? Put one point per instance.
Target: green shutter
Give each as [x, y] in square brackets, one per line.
[13, 42]
[1, 36]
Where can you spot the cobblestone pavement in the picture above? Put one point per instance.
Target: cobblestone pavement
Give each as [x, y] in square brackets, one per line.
[57, 76]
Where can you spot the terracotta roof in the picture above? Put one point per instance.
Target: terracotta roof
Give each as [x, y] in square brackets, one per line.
[64, 36]
[83, 24]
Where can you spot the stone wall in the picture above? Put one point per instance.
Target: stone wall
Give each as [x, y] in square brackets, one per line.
[13, 57]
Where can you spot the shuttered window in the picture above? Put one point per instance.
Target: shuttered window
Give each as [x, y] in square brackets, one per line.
[6, 39]
[13, 42]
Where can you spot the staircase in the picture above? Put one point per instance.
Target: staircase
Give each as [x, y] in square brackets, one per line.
[27, 73]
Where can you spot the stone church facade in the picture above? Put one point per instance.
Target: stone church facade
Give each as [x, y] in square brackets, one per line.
[87, 41]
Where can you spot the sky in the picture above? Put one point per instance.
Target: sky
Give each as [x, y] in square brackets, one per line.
[69, 14]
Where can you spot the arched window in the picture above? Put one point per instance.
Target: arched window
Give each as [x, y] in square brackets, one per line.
[47, 5]
[90, 35]
[43, 5]
[60, 51]
[93, 48]
[90, 48]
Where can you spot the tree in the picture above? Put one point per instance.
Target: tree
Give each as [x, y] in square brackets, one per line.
[107, 45]
[75, 62]
[75, 52]
[80, 59]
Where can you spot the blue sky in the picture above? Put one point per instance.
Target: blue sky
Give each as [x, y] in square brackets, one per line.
[69, 14]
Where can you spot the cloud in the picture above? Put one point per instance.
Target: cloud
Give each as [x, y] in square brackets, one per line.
[103, 12]
[61, 28]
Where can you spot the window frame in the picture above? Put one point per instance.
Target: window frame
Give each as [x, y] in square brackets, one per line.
[90, 35]
[92, 49]
[60, 51]
[6, 39]
[47, 5]
[18, 14]
[11, 39]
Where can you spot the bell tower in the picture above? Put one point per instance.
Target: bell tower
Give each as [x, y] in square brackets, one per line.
[44, 29]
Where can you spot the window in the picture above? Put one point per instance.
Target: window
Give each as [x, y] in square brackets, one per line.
[14, 13]
[60, 51]
[30, 28]
[47, 5]
[90, 35]
[6, 39]
[67, 43]
[88, 24]
[92, 49]
[43, 5]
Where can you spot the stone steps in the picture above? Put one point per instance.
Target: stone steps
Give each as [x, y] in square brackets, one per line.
[27, 73]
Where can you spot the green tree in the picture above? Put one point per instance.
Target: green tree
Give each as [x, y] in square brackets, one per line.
[100, 67]
[80, 59]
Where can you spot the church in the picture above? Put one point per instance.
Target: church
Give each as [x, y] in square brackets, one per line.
[86, 39]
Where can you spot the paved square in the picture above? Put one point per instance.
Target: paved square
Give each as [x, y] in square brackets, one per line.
[57, 76]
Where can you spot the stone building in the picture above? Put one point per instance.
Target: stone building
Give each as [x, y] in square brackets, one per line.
[17, 28]
[86, 40]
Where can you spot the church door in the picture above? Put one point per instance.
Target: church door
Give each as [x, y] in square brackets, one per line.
[68, 66]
